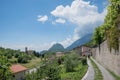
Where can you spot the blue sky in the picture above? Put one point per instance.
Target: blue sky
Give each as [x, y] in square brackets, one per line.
[38, 24]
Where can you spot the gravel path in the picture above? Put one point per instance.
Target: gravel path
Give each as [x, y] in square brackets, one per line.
[105, 73]
[90, 73]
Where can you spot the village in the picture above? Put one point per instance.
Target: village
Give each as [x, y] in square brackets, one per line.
[19, 70]
[60, 40]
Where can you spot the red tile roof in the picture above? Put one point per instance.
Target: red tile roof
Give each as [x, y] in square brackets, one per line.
[17, 68]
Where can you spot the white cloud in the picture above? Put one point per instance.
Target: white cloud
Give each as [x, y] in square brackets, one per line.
[67, 41]
[59, 20]
[82, 14]
[42, 19]
[53, 22]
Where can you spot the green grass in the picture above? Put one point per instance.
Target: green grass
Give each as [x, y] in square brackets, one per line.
[98, 74]
[78, 74]
[114, 75]
[13, 60]
[33, 63]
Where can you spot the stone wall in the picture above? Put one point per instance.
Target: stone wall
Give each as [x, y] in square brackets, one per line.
[110, 60]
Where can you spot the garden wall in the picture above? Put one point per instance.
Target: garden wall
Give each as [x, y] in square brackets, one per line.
[110, 60]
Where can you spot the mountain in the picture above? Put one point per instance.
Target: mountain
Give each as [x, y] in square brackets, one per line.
[56, 47]
[80, 41]
[43, 52]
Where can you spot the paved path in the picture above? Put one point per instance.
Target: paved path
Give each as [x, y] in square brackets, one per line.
[90, 73]
[105, 73]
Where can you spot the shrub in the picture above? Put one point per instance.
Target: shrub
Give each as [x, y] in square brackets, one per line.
[60, 61]
[22, 59]
[16, 55]
[46, 72]
[69, 65]
[53, 72]
[84, 61]
[71, 61]
[19, 59]
[9, 56]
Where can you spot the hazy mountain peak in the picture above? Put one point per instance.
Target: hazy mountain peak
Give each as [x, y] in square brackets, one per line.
[56, 47]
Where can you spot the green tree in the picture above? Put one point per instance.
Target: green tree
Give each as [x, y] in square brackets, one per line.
[111, 21]
[24, 58]
[98, 36]
[109, 30]
[5, 73]
[48, 71]
[71, 61]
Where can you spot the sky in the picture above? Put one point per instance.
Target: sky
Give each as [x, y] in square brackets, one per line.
[38, 24]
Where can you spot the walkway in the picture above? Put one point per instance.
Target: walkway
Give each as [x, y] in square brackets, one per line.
[90, 73]
[105, 73]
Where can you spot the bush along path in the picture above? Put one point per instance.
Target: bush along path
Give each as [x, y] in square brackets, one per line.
[102, 71]
[90, 72]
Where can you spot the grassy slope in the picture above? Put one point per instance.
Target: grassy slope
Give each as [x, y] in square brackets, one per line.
[33, 63]
[98, 74]
[13, 60]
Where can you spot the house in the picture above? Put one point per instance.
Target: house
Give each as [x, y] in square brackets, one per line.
[18, 71]
[59, 54]
[85, 51]
[31, 51]
[28, 51]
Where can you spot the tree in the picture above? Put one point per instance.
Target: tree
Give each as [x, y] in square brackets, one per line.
[112, 20]
[49, 71]
[37, 54]
[16, 55]
[9, 56]
[98, 36]
[113, 38]
[71, 61]
[109, 30]
[24, 58]
[5, 73]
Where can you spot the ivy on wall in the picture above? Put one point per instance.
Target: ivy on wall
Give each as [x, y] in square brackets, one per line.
[109, 30]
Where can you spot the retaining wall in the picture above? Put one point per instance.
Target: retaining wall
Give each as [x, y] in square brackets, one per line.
[110, 60]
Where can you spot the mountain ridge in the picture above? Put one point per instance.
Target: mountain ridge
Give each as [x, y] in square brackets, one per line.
[80, 41]
[57, 47]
